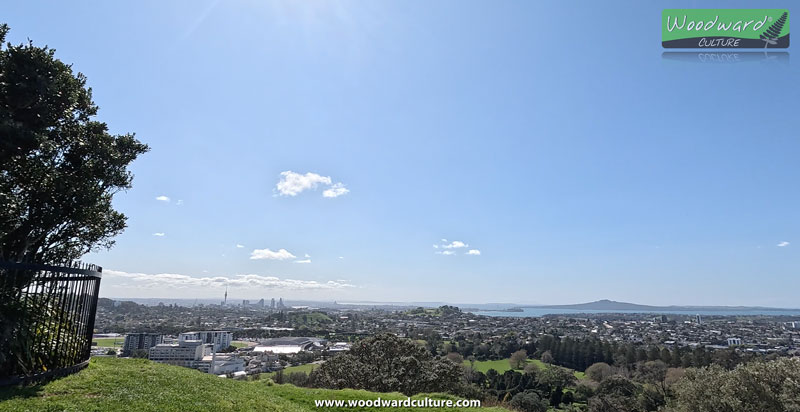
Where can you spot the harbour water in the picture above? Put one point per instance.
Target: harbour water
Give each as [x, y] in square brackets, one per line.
[537, 312]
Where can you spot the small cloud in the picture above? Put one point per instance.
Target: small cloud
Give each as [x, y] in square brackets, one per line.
[474, 252]
[455, 245]
[179, 202]
[341, 257]
[446, 252]
[436, 246]
[163, 198]
[238, 246]
[159, 234]
[303, 261]
[307, 255]
[783, 244]
[292, 184]
[336, 190]
[281, 254]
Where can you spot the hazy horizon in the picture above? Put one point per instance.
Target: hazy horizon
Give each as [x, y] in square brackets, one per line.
[446, 151]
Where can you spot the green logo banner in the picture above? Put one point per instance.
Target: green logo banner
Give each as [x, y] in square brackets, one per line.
[725, 28]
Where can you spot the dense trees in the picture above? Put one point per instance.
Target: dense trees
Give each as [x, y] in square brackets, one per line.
[386, 363]
[59, 168]
[529, 401]
[756, 386]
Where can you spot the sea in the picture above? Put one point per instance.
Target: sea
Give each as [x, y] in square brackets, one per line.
[538, 312]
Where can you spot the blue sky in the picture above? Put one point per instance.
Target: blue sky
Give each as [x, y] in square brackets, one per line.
[552, 138]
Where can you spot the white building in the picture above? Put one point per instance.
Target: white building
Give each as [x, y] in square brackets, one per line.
[186, 353]
[339, 347]
[221, 339]
[222, 364]
[290, 345]
[734, 341]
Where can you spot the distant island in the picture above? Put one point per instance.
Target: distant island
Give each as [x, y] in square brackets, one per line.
[606, 304]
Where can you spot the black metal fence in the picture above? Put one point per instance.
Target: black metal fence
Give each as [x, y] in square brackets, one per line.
[46, 319]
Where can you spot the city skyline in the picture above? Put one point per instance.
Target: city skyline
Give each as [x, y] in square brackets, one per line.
[387, 152]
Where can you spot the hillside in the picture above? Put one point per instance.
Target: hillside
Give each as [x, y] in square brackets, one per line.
[111, 384]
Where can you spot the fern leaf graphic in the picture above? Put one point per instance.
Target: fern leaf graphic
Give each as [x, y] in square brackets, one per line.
[770, 35]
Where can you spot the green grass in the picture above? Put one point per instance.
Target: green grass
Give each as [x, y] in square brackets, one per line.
[138, 384]
[503, 365]
[307, 368]
[109, 342]
[240, 344]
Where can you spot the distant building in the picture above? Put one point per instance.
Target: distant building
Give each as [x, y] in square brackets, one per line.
[186, 353]
[734, 341]
[339, 347]
[290, 345]
[272, 304]
[220, 339]
[698, 319]
[222, 364]
[143, 341]
[261, 303]
[280, 304]
[245, 303]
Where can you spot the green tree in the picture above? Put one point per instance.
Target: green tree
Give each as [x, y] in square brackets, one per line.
[599, 371]
[547, 357]
[756, 386]
[59, 168]
[528, 401]
[615, 394]
[386, 363]
[518, 359]
[654, 373]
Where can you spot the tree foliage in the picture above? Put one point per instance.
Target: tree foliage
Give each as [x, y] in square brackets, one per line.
[59, 168]
[386, 363]
[518, 359]
[528, 401]
[756, 386]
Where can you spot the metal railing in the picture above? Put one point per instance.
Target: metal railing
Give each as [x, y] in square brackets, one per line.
[46, 319]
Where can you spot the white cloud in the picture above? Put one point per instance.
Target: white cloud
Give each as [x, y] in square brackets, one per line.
[341, 257]
[291, 183]
[436, 246]
[474, 252]
[159, 234]
[163, 198]
[281, 254]
[336, 190]
[307, 255]
[783, 244]
[446, 252]
[238, 246]
[179, 202]
[173, 280]
[455, 245]
[303, 261]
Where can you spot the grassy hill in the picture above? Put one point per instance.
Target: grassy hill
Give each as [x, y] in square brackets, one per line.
[503, 365]
[307, 368]
[111, 384]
